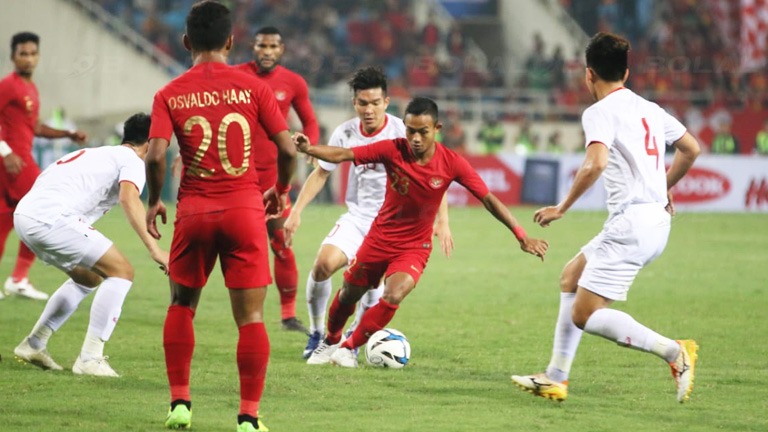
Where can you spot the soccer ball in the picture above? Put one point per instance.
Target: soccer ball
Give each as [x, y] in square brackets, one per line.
[388, 348]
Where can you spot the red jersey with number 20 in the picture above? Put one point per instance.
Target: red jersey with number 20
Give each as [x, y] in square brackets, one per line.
[414, 191]
[218, 115]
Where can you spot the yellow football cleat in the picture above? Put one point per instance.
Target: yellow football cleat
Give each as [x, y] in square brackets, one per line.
[540, 385]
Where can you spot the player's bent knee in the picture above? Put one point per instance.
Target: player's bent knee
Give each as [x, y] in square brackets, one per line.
[323, 270]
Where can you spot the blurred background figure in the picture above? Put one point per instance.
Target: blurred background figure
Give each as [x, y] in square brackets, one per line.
[491, 134]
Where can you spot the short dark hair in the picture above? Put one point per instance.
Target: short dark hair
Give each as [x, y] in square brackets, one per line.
[422, 106]
[269, 30]
[23, 37]
[209, 25]
[369, 77]
[136, 129]
[607, 55]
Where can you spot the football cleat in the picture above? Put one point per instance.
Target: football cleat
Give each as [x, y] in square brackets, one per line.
[24, 288]
[540, 385]
[250, 424]
[40, 358]
[293, 324]
[180, 417]
[322, 354]
[684, 368]
[96, 366]
[347, 334]
[344, 357]
[312, 343]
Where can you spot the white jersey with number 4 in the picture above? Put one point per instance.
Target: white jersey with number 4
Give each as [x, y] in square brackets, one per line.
[636, 132]
[84, 183]
[367, 183]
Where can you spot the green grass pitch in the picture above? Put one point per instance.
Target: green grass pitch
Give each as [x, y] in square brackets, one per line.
[474, 319]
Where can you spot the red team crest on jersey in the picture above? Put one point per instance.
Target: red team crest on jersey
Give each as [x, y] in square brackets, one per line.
[435, 182]
[280, 94]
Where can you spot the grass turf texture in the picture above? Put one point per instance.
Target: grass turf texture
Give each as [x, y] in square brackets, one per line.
[474, 319]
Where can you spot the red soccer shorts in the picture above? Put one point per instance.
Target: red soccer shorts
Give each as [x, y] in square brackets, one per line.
[237, 236]
[372, 263]
[15, 187]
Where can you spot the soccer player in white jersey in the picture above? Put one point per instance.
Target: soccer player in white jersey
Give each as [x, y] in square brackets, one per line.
[365, 194]
[625, 142]
[54, 219]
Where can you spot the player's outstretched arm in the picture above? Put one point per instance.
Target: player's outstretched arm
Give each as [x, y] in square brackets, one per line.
[323, 152]
[594, 164]
[45, 131]
[312, 186]
[442, 229]
[130, 200]
[156, 166]
[501, 212]
[276, 197]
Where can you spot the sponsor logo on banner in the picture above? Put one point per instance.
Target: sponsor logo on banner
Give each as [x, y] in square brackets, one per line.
[701, 185]
[757, 193]
[500, 179]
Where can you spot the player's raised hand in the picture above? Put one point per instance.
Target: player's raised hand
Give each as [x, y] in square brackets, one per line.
[152, 213]
[78, 136]
[545, 215]
[301, 141]
[291, 225]
[535, 247]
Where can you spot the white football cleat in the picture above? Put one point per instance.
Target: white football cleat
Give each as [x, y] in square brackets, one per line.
[96, 366]
[39, 358]
[24, 289]
[344, 357]
[322, 354]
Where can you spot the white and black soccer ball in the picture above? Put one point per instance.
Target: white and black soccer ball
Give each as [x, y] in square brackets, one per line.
[388, 348]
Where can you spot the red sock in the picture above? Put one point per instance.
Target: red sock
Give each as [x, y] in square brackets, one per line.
[179, 344]
[338, 315]
[286, 274]
[252, 360]
[373, 320]
[24, 261]
[6, 225]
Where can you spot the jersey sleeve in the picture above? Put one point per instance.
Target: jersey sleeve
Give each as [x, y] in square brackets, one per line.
[270, 117]
[133, 171]
[6, 95]
[673, 129]
[303, 107]
[161, 126]
[466, 176]
[337, 140]
[598, 127]
[378, 152]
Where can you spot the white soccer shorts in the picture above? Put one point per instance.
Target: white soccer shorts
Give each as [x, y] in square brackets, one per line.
[629, 241]
[67, 243]
[348, 234]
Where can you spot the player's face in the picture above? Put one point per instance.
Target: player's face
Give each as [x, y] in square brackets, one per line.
[25, 58]
[420, 131]
[267, 50]
[371, 107]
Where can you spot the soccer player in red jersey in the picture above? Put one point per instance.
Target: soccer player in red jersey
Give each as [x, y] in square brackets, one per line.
[19, 124]
[290, 90]
[398, 245]
[221, 117]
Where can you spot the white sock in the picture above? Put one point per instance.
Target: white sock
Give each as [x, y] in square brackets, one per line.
[62, 304]
[566, 341]
[624, 330]
[369, 300]
[318, 294]
[105, 312]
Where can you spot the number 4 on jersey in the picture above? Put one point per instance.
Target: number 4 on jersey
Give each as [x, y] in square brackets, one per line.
[651, 148]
